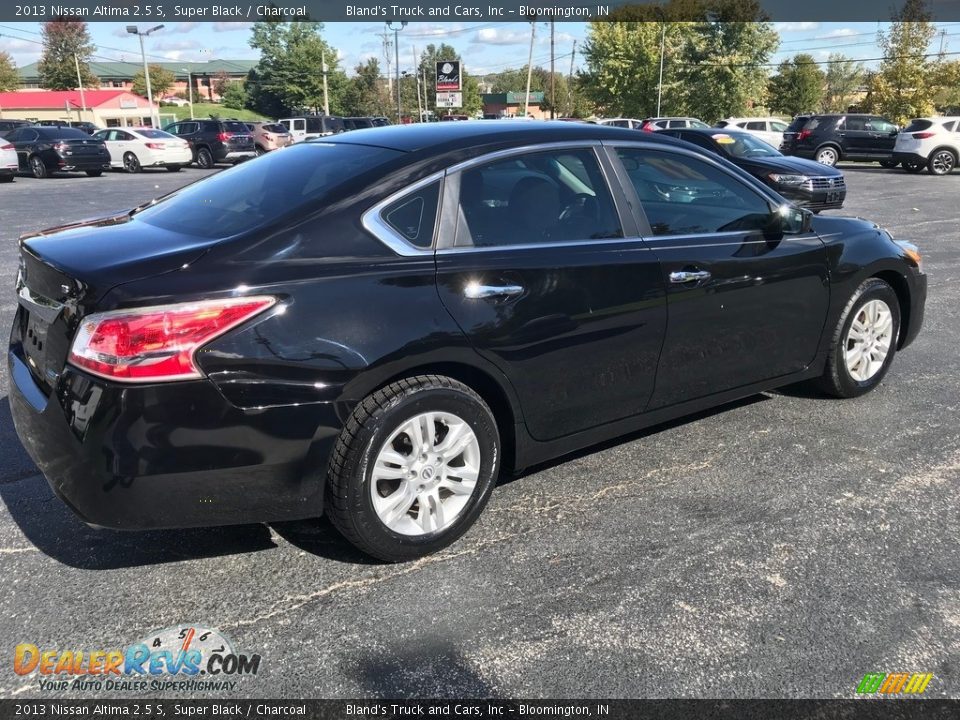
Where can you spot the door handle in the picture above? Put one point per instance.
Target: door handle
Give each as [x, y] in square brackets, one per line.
[476, 291]
[685, 276]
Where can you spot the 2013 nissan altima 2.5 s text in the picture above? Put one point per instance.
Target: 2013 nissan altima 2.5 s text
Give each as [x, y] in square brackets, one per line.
[378, 324]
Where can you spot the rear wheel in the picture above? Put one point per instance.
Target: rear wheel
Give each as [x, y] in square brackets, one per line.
[413, 468]
[204, 158]
[913, 166]
[864, 341]
[888, 163]
[942, 162]
[828, 156]
[131, 163]
[38, 167]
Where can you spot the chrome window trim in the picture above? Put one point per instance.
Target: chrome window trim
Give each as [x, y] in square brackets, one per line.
[374, 223]
[537, 246]
[521, 149]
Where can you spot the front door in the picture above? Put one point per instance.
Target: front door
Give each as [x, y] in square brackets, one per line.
[883, 136]
[550, 283]
[744, 304]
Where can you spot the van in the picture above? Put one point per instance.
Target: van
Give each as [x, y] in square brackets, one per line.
[308, 127]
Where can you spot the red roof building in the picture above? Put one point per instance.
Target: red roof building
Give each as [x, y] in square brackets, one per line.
[106, 108]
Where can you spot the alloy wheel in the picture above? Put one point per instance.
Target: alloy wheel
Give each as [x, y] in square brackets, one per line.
[942, 162]
[425, 474]
[827, 156]
[131, 163]
[868, 340]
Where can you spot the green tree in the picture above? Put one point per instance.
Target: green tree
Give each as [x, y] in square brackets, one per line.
[905, 85]
[366, 92]
[161, 80]
[9, 79]
[289, 76]
[235, 96]
[797, 87]
[66, 43]
[221, 81]
[844, 77]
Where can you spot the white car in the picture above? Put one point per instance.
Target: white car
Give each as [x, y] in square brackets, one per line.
[9, 164]
[631, 123]
[136, 148]
[768, 129]
[932, 143]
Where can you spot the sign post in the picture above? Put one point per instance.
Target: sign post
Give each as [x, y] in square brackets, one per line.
[449, 84]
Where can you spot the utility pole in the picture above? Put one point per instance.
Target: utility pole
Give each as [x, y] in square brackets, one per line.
[663, 38]
[189, 88]
[416, 79]
[553, 80]
[396, 57]
[526, 102]
[83, 98]
[387, 59]
[943, 36]
[573, 55]
[323, 65]
[134, 30]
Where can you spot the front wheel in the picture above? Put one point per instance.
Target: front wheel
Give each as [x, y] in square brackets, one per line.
[828, 156]
[864, 342]
[413, 468]
[942, 162]
[204, 158]
[888, 163]
[131, 163]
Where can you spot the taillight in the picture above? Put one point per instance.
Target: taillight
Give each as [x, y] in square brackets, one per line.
[804, 134]
[224, 136]
[157, 344]
[155, 146]
[7, 147]
[648, 127]
[923, 135]
[268, 137]
[61, 147]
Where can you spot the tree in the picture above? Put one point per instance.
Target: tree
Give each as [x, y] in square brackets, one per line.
[9, 79]
[797, 87]
[235, 96]
[289, 76]
[65, 44]
[366, 93]
[905, 85]
[161, 80]
[221, 81]
[844, 77]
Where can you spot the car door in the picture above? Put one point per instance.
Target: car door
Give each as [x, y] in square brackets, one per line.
[744, 303]
[541, 267]
[883, 136]
[104, 136]
[25, 140]
[854, 138]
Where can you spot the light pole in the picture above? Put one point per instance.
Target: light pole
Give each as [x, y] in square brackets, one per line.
[189, 88]
[396, 57]
[134, 30]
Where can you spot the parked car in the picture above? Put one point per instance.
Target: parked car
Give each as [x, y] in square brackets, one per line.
[215, 141]
[664, 123]
[448, 118]
[136, 148]
[8, 125]
[621, 123]
[357, 123]
[311, 127]
[381, 121]
[768, 129]
[307, 332]
[174, 100]
[804, 182]
[932, 143]
[790, 134]
[828, 139]
[8, 161]
[46, 150]
[88, 127]
[269, 136]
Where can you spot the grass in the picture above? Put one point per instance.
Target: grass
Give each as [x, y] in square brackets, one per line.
[205, 110]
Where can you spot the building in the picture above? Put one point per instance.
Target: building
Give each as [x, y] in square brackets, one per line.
[106, 108]
[510, 104]
[119, 75]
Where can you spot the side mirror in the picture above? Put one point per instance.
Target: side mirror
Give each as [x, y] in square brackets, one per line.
[790, 220]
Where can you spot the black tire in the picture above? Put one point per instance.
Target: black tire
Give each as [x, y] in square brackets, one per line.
[942, 161]
[888, 163]
[94, 173]
[836, 379]
[6, 178]
[913, 167]
[348, 501]
[205, 158]
[174, 168]
[131, 163]
[38, 168]
[828, 155]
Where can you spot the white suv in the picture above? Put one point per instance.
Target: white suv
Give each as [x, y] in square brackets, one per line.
[932, 143]
[768, 129]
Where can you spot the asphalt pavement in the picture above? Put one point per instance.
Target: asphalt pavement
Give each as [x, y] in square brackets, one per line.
[781, 546]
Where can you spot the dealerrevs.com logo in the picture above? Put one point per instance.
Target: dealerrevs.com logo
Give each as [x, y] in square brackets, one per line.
[181, 658]
[894, 683]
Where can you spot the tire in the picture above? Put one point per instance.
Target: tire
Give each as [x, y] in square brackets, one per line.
[260, 150]
[888, 164]
[360, 480]
[941, 162]
[174, 168]
[913, 167]
[131, 163]
[827, 155]
[6, 178]
[838, 379]
[38, 168]
[94, 173]
[205, 158]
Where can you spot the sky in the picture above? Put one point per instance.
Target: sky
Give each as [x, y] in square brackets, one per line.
[485, 47]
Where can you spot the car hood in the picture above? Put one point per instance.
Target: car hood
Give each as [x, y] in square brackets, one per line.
[787, 164]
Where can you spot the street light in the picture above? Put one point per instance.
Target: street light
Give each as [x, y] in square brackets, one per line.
[396, 50]
[134, 30]
[189, 88]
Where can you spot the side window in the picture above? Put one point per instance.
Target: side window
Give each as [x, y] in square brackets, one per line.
[621, 123]
[951, 126]
[299, 124]
[677, 123]
[683, 195]
[761, 125]
[414, 216]
[14, 136]
[778, 126]
[854, 124]
[121, 135]
[541, 197]
[881, 126]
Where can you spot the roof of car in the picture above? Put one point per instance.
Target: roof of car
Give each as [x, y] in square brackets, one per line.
[451, 136]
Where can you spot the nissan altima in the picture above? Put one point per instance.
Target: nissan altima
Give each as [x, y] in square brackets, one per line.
[378, 324]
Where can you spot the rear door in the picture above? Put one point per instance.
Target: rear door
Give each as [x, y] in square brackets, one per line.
[544, 272]
[744, 304]
[855, 139]
[883, 136]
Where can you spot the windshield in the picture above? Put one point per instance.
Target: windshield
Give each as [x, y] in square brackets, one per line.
[257, 192]
[744, 145]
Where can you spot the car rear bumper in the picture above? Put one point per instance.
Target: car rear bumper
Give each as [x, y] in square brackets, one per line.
[236, 156]
[170, 455]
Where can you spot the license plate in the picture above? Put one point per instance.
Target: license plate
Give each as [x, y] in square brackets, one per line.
[833, 197]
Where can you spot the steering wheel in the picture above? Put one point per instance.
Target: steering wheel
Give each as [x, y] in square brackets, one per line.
[577, 206]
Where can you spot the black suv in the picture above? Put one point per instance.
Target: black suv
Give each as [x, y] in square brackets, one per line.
[831, 138]
[8, 125]
[215, 141]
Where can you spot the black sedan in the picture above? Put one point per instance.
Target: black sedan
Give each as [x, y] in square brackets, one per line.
[46, 150]
[804, 182]
[378, 324]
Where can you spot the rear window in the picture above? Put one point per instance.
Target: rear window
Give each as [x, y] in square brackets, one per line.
[797, 124]
[918, 125]
[62, 132]
[274, 128]
[254, 194]
[156, 134]
[235, 127]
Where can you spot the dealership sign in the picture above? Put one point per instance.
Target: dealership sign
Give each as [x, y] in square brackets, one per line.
[449, 99]
[448, 76]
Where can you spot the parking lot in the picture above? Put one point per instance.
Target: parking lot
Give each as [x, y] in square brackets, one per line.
[781, 546]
